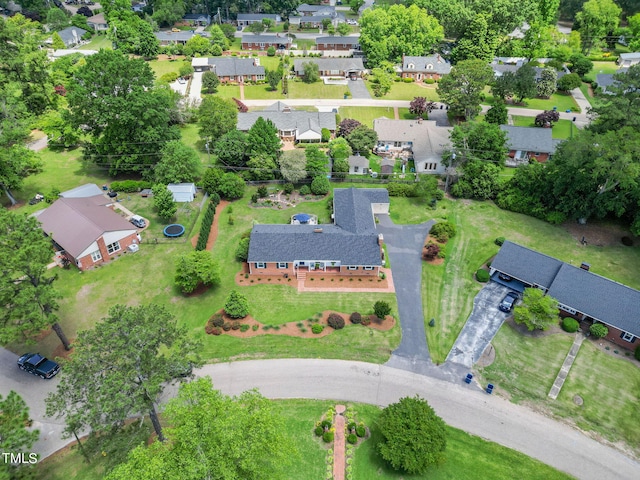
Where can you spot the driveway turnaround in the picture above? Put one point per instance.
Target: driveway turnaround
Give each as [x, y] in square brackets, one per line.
[482, 325]
[460, 405]
[404, 247]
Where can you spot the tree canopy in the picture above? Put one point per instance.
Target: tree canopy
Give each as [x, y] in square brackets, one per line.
[413, 436]
[362, 139]
[462, 88]
[388, 33]
[179, 163]
[15, 437]
[537, 310]
[596, 20]
[196, 268]
[293, 165]
[120, 368]
[201, 421]
[216, 117]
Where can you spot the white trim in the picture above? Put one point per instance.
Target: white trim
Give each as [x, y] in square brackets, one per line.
[367, 268]
[352, 267]
[261, 265]
[96, 256]
[114, 247]
[628, 337]
[283, 265]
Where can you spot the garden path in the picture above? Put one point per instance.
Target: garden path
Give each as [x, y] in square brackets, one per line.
[338, 444]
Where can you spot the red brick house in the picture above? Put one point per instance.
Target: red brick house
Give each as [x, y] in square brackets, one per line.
[87, 231]
[431, 67]
[231, 69]
[346, 44]
[526, 143]
[263, 42]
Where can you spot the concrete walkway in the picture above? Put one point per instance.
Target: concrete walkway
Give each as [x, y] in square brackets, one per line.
[566, 366]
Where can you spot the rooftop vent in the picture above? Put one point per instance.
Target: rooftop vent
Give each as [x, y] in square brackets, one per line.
[317, 230]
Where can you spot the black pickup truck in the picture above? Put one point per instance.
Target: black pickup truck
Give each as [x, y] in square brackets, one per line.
[38, 365]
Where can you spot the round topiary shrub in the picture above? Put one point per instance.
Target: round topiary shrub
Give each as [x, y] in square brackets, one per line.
[361, 431]
[499, 241]
[325, 424]
[570, 325]
[335, 321]
[317, 328]
[482, 275]
[217, 320]
[598, 330]
[443, 231]
[319, 431]
[351, 426]
[352, 438]
[327, 436]
[355, 317]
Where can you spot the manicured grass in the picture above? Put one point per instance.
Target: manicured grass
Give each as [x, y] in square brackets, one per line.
[562, 101]
[366, 115]
[449, 288]
[467, 457]
[260, 92]
[561, 129]
[601, 67]
[407, 91]
[160, 67]
[190, 136]
[228, 91]
[298, 89]
[98, 42]
[526, 367]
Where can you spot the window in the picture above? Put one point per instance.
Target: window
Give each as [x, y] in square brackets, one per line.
[365, 171]
[261, 265]
[566, 309]
[283, 265]
[355, 169]
[429, 67]
[397, 144]
[627, 337]
[113, 248]
[411, 65]
[429, 166]
[368, 268]
[535, 154]
[351, 267]
[95, 256]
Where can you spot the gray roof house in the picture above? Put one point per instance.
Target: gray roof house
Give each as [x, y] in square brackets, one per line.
[358, 165]
[245, 19]
[83, 191]
[525, 143]
[72, 36]
[98, 23]
[579, 292]
[167, 37]
[606, 80]
[421, 68]
[293, 125]
[629, 59]
[350, 243]
[331, 66]
[422, 140]
[200, 19]
[229, 67]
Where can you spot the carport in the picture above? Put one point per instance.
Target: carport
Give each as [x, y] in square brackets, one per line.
[513, 284]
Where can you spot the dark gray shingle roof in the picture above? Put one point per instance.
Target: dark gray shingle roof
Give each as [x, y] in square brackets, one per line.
[293, 120]
[352, 208]
[529, 139]
[337, 40]
[324, 64]
[71, 35]
[431, 63]
[526, 265]
[252, 38]
[232, 66]
[258, 16]
[598, 297]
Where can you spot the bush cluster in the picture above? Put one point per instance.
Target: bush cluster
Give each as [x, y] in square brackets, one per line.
[327, 436]
[305, 190]
[207, 221]
[335, 321]
[217, 320]
[598, 330]
[499, 241]
[352, 438]
[397, 189]
[317, 328]
[482, 275]
[355, 317]
[570, 325]
[130, 186]
[443, 231]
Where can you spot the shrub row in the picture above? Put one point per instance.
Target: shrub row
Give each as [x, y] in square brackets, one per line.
[130, 186]
[207, 221]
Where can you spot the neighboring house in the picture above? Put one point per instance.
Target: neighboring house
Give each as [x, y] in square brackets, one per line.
[72, 36]
[419, 140]
[98, 23]
[251, 41]
[138, 7]
[231, 69]
[358, 165]
[525, 143]
[83, 191]
[86, 230]
[349, 246]
[502, 65]
[628, 59]
[183, 192]
[423, 68]
[53, 54]
[292, 125]
[606, 80]
[580, 293]
[197, 19]
[347, 44]
[316, 21]
[167, 37]
[246, 19]
[323, 10]
[331, 67]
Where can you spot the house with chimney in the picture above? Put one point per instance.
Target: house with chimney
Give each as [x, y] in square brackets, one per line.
[528, 143]
[246, 19]
[581, 294]
[431, 67]
[231, 69]
[351, 245]
[338, 43]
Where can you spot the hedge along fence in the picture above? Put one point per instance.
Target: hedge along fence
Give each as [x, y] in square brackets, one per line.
[207, 221]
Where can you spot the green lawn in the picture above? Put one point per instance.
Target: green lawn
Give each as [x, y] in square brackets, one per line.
[407, 91]
[299, 89]
[98, 42]
[228, 91]
[467, 456]
[562, 101]
[526, 367]
[601, 67]
[366, 115]
[160, 67]
[562, 129]
[261, 92]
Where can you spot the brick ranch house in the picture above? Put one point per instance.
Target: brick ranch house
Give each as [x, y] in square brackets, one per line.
[331, 67]
[86, 230]
[345, 44]
[581, 294]
[349, 246]
[231, 69]
[251, 41]
[431, 67]
[526, 143]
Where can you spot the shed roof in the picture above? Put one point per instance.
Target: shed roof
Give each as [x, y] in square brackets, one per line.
[86, 190]
[358, 161]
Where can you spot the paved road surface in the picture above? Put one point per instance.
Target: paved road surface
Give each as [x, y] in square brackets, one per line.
[358, 89]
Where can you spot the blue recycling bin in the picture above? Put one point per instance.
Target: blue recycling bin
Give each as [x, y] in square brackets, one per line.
[490, 388]
[468, 378]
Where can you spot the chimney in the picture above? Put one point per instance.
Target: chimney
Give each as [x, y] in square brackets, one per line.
[380, 239]
[439, 59]
[317, 230]
[585, 266]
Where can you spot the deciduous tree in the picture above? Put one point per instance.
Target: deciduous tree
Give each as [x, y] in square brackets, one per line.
[347, 126]
[14, 435]
[231, 186]
[481, 140]
[232, 149]
[120, 368]
[200, 420]
[210, 82]
[168, 12]
[163, 202]
[293, 165]
[339, 149]
[316, 161]
[320, 185]
[478, 40]
[524, 83]
[621, 108]
[497, 114]
[596, 20]
[537, 310]
[216, 117]
[569, 82]
[179, 163]
[196, 268]
[273, 78]
[547, 85]
[310, 72]
[362, 140]
[420, 105]
[413, 436]
[547, 118]
[263, 141]
[131, 34]
[462, 88]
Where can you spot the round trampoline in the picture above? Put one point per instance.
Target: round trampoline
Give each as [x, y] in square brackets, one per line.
[173, 230]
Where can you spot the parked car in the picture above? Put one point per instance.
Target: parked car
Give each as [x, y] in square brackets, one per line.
[507, 303]
[505, 277]
[138, 221]
[38, 365]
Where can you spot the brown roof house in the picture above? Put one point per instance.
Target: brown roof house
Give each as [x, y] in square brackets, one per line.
[87, 230]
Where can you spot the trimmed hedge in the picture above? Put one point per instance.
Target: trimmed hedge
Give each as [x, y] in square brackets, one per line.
[207, 221]
[130, 186]
[482, 275]
[598, 330]
[570, 325]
